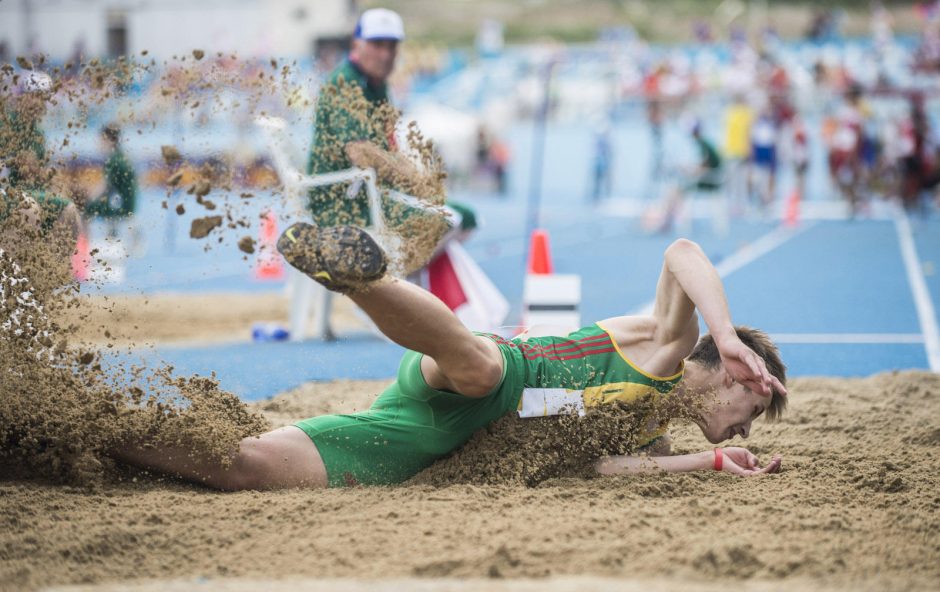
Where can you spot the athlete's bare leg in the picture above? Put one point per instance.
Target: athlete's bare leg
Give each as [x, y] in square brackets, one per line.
[283, 458]
[455, 359]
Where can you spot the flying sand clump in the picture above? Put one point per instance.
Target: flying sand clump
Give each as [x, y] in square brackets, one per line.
[517, 451]
[65, 405]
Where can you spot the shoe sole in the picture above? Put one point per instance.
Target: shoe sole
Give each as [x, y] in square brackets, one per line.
[339, 257]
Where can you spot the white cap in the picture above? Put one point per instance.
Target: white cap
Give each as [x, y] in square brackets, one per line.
[36, 81]
[380, 23]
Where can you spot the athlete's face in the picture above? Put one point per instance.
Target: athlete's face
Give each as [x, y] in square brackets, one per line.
[735, 409]
[375, 58]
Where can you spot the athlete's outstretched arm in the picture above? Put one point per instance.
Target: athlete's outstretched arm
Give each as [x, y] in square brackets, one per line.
[688, 282]
[735, 460]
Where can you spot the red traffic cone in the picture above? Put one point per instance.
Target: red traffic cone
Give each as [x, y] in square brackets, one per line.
[269, 266]
[81, 258]
[540, 258]
[791, 214]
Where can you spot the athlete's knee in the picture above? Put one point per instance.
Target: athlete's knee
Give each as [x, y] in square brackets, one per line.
[478, 373]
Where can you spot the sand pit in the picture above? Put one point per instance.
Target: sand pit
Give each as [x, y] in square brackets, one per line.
[856, 507]
[187, 318]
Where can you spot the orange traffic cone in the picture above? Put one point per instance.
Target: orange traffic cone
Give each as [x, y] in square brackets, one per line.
[81, 258]
[270, 266]
[791, 215]
[540, 259]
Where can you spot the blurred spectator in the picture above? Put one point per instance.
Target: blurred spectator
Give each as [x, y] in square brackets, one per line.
[882, 27]
[846, 148]
[483, 150]
[24, 156]
[739, 117]
[24, 142]
[919, 166]
[492, 159]
[927, 54]
[499, 162]
[343, 119]
[799, 154]
[489, 39]
[339, 122]
[116, 201]
[707, 177]
[764, 135]
[823, 26]
[354, 126]
[602, 179]
[654, 113]
[702, 31]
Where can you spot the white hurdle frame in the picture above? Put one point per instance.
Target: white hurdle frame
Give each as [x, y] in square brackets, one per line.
[300, 287]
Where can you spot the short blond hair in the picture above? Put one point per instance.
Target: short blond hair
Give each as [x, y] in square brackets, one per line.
[706, 354]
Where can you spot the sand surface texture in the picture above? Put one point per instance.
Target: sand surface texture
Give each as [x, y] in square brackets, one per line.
[188, 319]
[856, 507]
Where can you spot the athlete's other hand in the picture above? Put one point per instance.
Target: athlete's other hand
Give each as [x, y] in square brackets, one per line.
[740, 462]
[747, 368]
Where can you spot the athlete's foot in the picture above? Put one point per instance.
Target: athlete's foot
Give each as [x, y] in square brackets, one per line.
[341, 258]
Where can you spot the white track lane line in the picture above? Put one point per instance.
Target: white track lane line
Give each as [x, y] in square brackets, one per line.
[745, 255]
[831, 338]
[915, 277]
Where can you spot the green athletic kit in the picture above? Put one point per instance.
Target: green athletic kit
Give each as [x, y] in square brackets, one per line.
[18, 135]
[120, 199]
[51, 205]
[347, 110]
[710, 161]
[336, 123]
[411, 425]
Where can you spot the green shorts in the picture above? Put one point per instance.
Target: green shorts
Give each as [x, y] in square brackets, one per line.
[408, 427]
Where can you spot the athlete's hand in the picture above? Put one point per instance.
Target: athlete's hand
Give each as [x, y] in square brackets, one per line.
[740, 462]
[748, 368]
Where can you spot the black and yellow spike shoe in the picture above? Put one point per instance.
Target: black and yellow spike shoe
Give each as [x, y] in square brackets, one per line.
[341, 258]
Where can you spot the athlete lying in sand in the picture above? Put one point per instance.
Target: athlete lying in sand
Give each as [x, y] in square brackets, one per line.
[453, 382]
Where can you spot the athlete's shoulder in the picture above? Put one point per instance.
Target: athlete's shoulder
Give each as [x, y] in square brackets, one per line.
[636, 338]
[547, 331]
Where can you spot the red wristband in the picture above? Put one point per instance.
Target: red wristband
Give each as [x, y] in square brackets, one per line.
[719, 459]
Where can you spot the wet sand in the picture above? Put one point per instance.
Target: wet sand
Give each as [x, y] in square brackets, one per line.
[855, 507]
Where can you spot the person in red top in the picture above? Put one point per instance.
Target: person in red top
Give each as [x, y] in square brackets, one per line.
[654, 113]
[919, 168]
[845, 148]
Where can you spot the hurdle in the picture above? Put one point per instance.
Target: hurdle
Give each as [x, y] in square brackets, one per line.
[301, 289]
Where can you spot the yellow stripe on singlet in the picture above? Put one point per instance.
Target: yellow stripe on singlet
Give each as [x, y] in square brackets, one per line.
[623, 392]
